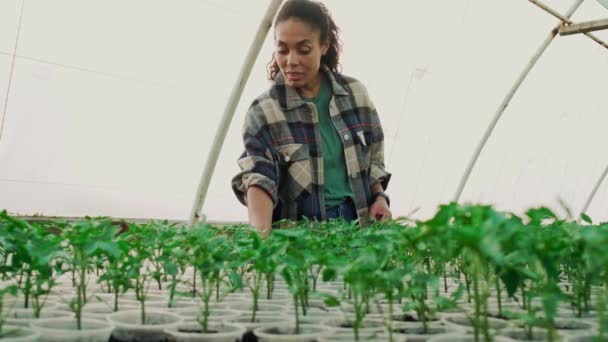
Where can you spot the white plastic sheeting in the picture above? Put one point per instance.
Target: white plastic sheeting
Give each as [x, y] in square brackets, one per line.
[113, 104]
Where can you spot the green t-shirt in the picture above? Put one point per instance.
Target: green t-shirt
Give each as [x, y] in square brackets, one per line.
[337, 186]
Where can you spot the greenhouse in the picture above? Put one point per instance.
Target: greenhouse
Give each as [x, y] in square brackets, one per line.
[143, 156]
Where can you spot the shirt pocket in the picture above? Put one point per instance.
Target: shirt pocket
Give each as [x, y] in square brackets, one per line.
[295, 169]
[363, 143]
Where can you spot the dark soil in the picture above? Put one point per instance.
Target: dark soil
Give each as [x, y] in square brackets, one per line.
[503, 317]
[164, 338]
[197, 331]
[420, 331]
[411, 318]
[249, 337]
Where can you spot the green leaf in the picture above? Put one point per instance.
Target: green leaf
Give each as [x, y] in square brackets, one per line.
[512, 279]
[12, 290]
[444, 303]
[537, 215]
[330, 300]
[171, 268]
[329, 274]
[235, 280]
[256, 241]
[586, 218]
[287, 276]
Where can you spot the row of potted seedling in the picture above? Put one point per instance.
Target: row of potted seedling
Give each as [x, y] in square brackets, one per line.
[470, 258]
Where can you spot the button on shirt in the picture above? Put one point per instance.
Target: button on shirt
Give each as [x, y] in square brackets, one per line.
[283, 153]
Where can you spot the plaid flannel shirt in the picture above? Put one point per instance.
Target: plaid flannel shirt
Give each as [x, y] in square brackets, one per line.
[283, 152]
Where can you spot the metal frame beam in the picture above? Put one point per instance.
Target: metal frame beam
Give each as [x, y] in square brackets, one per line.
[593, 192]
[566, 21]
[230, 108]
[584, 27]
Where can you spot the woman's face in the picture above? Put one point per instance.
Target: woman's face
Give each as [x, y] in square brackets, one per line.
[298, 53]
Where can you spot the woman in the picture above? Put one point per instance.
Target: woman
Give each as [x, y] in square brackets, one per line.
[313, 141]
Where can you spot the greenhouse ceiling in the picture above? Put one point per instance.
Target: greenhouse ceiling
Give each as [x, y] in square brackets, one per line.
[110, 107]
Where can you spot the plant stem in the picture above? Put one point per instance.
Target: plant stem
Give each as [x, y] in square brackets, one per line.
[160, 284]
[550, 330]
[172, 290]
[422, 314]
[79, 300]
[194, 284]
[390, 316]
[498, 291]
[467, 282]
[28, 285]
[579, 310]
[357, 306]
[20, 281]
[36, 305]
[304, 306]
[1, 313]
[302, 292]
[295, 302]
[269, 285]
[427, 264]
[587, 292]
[601, 310]
[84, 288]
[137, 286]
[217, 286]
[484, 312]
[143, 306]
[116, 293]
[528, 305]
[523, 295]
[476, 324]
[257, 284]
[74, 274]
[206, 295]
[314, 274]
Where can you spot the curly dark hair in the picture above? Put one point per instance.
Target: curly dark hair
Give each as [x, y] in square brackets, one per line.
[316, 15]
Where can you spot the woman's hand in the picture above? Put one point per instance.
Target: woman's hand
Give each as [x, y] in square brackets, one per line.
[379, 210]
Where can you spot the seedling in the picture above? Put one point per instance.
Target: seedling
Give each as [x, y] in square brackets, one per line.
[294, 268]
[261, 257]
[87, 239]
[116, 270]
[210, 256]
[137, 263]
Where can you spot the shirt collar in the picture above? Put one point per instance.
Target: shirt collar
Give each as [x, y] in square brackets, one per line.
[289, 98]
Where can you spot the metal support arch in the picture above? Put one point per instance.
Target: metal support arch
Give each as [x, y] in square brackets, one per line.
[230, 108]
[507, 100]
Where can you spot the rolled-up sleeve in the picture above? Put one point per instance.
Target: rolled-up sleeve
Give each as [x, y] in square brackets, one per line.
[257, 164]
[378, 173]
[377, 170]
